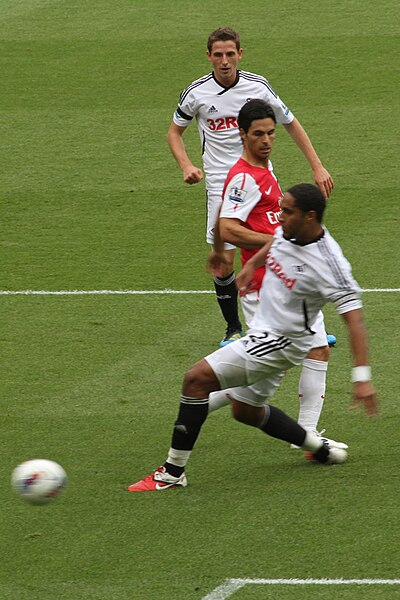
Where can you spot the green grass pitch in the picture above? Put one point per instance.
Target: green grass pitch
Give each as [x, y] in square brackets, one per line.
[91, 199]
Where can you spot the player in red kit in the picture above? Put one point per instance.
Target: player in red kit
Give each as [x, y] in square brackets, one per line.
[248, 218]
[252, 195]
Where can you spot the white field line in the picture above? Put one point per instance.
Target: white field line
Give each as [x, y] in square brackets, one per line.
[100, 292]
[230, 586]
[134, 292]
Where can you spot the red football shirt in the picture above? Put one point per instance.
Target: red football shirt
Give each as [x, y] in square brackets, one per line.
[252, 194]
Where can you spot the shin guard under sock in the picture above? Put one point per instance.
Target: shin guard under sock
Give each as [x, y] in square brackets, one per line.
[279, 425]
[192, 414]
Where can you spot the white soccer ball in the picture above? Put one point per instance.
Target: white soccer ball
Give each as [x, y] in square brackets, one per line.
[39, 481]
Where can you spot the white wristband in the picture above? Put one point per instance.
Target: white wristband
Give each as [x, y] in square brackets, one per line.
[361, 374]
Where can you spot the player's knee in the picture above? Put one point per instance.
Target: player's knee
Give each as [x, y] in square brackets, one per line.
[200, 381]
[191, 381]
[321, 353]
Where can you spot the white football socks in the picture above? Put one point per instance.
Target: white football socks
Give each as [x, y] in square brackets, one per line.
[178, 458]
[217, 400]
[312, 442]
[312, 387]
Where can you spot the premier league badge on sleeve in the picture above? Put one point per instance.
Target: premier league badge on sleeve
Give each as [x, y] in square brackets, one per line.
[237, 195]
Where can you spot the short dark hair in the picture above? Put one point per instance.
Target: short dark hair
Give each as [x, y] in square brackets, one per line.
[251, 111]
[223, 34]
[308, 197]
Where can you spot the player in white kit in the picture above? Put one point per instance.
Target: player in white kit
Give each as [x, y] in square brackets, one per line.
[214, 102]
[305, 269]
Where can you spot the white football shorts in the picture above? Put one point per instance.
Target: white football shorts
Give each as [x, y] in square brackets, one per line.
[254, 365]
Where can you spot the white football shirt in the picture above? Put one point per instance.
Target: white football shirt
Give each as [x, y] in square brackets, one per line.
[299, 281]
[216, 109]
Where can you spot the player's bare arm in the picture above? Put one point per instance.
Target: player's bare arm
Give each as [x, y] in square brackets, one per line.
[233, 232]
[363, 390]
[191, 173]
[321, 176]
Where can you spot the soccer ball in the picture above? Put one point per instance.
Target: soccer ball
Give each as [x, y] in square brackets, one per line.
[39, 481]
